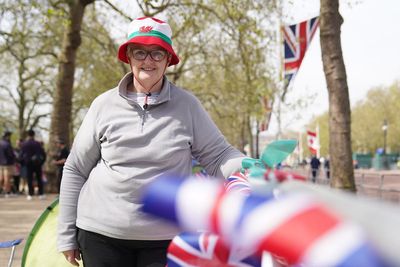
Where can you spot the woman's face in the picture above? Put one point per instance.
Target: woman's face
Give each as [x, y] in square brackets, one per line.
[148, 62]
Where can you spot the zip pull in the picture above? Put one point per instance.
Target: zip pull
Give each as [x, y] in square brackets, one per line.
[143, 117]
[145, 106]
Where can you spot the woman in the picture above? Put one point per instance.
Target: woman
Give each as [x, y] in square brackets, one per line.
[144, 128]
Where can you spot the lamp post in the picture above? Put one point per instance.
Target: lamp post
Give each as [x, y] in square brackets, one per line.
[384, 129]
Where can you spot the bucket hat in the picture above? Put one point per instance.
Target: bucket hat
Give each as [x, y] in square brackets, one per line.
[149, 31]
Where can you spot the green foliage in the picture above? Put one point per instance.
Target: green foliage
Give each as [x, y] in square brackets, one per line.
[98, 68]
[30, 43]
[224, 50]
[367, 120]
[27, 62]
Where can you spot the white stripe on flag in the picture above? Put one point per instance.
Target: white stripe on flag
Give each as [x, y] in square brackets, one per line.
[178, 261]
[333, 247]
[229, 212]
[263, 220]
[199, 196]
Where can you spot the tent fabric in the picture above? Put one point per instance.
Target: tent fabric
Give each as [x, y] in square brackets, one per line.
[40, 248]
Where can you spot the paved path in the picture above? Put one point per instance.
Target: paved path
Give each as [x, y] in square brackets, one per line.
[17, 217]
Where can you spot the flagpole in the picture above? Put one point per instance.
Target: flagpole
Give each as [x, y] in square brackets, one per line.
[318, 142]
[281, 76]
[300, 147]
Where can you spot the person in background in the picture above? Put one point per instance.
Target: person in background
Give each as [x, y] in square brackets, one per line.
[22, 167]
[33, 156]
[355, 164]
[60, 159]
[315, 164]
[7, 160]
[143, 129]
[17, 167]
[327, 167]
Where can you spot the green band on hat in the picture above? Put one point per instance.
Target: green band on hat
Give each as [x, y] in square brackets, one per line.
[151, 33]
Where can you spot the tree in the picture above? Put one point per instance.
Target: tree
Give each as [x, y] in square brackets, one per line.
[60, 126]
[381, 103]
[339, 105]
[225, 51]
[98, 68]
[27, 61]
[62, 104]
[367, 116]
[222, 47]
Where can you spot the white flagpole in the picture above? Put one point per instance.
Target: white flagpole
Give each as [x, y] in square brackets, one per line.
[318, 143]
[300, 144]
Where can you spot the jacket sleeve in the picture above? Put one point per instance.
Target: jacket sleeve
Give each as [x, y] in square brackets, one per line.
[84, 155]
[210, 147]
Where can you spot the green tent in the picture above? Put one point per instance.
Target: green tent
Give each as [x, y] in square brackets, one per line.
[40, 248]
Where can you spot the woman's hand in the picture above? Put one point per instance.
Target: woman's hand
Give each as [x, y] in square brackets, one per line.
[72, 256]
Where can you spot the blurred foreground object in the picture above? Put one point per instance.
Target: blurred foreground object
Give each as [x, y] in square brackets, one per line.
[294, 227]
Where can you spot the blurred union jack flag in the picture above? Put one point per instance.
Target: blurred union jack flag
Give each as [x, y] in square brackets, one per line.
[205, 249]
[296, 39]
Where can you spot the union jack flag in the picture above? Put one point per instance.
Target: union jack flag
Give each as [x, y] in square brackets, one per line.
[294, 227]
[238, 182]
[297, 38]
[204, 249]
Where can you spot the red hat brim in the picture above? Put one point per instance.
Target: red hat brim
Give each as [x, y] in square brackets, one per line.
[147, 40]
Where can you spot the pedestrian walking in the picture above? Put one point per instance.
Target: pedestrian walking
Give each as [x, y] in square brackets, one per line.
[33, 156]
[60, 158]
[315, 164]
[327, 167]
[7, 161]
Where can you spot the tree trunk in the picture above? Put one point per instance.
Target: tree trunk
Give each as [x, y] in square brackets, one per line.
[62, 105]
[339, 104]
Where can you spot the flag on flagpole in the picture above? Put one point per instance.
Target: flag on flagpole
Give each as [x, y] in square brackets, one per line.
[318, 142]
[267, 104]
[296, 39]
[312, 142]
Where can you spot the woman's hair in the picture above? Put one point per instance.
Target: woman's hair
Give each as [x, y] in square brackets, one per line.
[129, 50]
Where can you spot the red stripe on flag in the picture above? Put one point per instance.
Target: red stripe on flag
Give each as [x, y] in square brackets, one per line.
[313, 150]
[219, 258]
[303, 40]
[291, 239]
[282, 176]
[221, 251]
[183, 255]
[292, 65]
[312, 133]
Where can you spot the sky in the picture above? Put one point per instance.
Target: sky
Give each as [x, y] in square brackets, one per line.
[370, 45]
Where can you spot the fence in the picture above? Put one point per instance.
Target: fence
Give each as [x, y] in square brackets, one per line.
[384, 185]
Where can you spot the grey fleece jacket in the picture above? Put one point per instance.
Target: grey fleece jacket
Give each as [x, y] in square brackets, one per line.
[120, 148]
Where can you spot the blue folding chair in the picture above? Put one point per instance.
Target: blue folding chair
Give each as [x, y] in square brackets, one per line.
[11, 244]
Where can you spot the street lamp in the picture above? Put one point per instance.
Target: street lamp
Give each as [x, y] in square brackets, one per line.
[384, 129]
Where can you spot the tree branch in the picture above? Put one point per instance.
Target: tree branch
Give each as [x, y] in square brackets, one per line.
[116, 9]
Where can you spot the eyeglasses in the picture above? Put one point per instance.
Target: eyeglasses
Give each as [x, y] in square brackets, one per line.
[156, 55]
